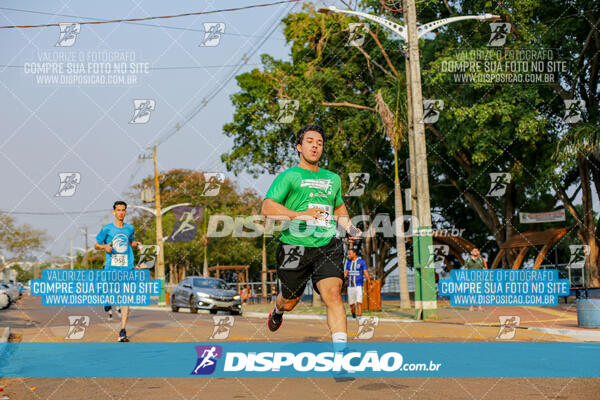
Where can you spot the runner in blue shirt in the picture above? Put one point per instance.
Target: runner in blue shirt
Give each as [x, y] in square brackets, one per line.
[117, 240]
[356, 271]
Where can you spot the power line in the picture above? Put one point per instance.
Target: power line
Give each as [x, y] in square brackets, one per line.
[152, 18]
[130, 23]
[220, 86]
[166, 67]
[54, 213]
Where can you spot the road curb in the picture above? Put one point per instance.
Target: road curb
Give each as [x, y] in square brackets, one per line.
[5, 334]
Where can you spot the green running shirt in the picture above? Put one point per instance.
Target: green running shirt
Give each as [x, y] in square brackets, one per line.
[300, 189]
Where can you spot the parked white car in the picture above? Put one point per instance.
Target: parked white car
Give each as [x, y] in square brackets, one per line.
[11, 290]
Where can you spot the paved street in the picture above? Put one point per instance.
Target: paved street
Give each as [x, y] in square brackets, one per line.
[30, 322]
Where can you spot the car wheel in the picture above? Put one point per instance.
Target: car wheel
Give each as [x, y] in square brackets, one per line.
[174, 308]
[193, 308]
[235, 312]
[213, 311]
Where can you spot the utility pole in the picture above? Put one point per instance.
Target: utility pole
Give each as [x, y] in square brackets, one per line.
[205, 266]
[160, 265]
[85, 256]
[425, 293]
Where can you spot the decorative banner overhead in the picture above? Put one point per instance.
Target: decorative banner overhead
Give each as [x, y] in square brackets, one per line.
[537, 218]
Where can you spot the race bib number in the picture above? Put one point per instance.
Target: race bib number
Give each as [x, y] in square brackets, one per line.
[325, 220]
[118, 260]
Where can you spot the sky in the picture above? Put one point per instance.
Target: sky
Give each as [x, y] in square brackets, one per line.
[51, 128]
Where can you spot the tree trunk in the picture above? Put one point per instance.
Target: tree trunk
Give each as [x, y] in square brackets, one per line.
[588, 236]
[263, 276]
[400, 246]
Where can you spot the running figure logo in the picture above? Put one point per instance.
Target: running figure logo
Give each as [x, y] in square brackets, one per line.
[437, 255]
[500, 181]
[287, 110]
[578, 254]
[207, 359]
[366, 327]
[68, 183]
[77, 325]
[573, 111]
[358, 183]
[431, 110]
[212, 183]
[499, 33]
[141, 110]
[508, 325]
[357, 34]
[68, 34]
[186, 226]
[212, 34]
[148, 254]
[223, 325]
[291, 256]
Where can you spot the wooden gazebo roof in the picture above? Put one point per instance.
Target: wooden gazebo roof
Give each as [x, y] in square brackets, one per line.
[524, 241]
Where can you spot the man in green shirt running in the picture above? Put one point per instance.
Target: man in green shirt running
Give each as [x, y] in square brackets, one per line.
[310, 199]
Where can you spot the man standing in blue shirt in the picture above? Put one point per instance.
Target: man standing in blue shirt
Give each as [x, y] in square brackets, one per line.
[117, 240]
[356, 271]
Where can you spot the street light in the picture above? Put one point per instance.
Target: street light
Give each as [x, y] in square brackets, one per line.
[425, 295]
[400, 29]
[163, 211]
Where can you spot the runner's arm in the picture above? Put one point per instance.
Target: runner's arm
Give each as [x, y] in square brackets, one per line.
[105, 247]
[132, 240]
[100, 238]
[343, 219]
[274, 210]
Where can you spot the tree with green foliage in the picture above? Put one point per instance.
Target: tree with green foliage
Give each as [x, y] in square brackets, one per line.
[483, 129]
[18, 242]
[336, 86]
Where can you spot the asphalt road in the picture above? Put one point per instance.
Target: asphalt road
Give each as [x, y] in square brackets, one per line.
[30, 322]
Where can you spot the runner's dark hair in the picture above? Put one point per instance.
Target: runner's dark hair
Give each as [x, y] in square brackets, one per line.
[119, 203]
[309, 127]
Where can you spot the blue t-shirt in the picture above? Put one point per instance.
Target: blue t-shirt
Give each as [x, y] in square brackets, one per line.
[121, 256]
[356, 273]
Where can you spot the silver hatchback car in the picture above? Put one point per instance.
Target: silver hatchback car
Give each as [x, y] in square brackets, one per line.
[212, 294]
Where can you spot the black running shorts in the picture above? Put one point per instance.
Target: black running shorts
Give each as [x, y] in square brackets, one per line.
[297, 264]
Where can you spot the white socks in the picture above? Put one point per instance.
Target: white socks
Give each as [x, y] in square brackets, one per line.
[277, 310]
[339, 340]
[339, 337]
